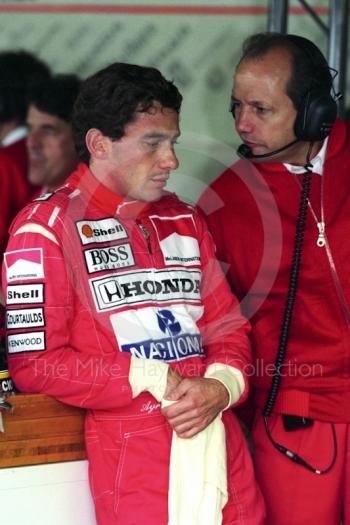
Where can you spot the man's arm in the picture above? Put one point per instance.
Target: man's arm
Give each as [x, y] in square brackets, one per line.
[51, 358]
[61, 368]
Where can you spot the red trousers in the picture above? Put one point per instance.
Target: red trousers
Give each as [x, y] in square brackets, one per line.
[129, 470]
[294, 495]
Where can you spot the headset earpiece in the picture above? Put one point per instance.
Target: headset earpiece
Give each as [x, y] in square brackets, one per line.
[318, 109]
[316, 116]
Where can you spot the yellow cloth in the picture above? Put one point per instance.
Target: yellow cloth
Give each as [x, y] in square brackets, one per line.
[197, 471]
[198, 476]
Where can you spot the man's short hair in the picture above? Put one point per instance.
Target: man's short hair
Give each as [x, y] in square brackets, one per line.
[310, 69]
[110, 99]
[18, 70]
[56, 95]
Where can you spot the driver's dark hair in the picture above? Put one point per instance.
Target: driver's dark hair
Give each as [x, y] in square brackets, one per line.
[310, 69]
[111, 98]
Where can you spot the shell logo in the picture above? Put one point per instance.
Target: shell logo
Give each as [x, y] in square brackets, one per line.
[87, 231]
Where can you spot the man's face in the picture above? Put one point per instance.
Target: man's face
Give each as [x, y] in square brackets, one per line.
[52, 156]
[264, 114]
[138, 165]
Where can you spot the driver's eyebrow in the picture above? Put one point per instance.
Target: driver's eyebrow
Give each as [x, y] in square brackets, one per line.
[158, 135]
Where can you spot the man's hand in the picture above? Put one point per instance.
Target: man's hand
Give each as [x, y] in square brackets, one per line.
[198, 401]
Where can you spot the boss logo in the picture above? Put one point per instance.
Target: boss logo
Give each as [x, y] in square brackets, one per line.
[109, 258]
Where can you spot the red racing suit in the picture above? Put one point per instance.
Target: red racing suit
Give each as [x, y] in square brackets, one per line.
[90, 281]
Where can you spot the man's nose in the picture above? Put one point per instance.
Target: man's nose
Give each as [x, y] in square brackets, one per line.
[33, 139]
[243, 120]
[169, 159]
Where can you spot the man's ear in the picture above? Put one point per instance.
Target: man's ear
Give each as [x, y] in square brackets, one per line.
[97, 143]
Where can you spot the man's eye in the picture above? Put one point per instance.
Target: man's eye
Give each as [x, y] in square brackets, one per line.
[153, 144]
[261, 110]
[51, 132]
[234, 104]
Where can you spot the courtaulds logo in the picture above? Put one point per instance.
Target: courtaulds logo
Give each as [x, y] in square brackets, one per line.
[168, 323]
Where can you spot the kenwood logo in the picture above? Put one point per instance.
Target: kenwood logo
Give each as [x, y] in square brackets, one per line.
[26, 342]
[109, 258]
[144, 286]
[105, 230]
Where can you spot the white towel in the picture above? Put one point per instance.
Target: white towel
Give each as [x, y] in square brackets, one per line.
[198, 476]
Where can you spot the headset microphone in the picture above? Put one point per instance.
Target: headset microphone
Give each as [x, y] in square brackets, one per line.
[245, 151]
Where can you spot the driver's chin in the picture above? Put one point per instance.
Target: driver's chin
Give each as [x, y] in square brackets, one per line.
[152, 198]
[36, 177]
[147, 196]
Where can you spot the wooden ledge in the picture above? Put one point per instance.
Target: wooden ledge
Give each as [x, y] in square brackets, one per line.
[41, 429]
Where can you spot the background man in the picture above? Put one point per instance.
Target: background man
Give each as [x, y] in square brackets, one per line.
[18, 70]
[51, 150]
[289, 265]
[135, 306]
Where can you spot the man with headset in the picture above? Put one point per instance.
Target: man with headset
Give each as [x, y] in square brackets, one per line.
[279, 218]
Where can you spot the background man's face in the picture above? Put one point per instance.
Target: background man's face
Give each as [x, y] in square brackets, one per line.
[139, 164]
[51, 151]
[264, 114]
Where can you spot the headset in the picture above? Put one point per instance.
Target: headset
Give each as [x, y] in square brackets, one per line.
[317, 111]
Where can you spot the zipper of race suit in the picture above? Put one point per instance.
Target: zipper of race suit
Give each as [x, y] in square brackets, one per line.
[146, 235]
[322, 241]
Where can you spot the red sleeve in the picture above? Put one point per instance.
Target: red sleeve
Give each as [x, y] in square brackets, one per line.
[12, 191]
[225, 331]
[53, 342]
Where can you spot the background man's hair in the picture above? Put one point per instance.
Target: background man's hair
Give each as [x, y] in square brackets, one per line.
[18, 70]
[111, 98]
[310, 69]
[56, 95]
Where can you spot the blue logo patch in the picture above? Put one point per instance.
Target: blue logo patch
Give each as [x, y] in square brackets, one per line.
[167, 322]
[175, 347]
